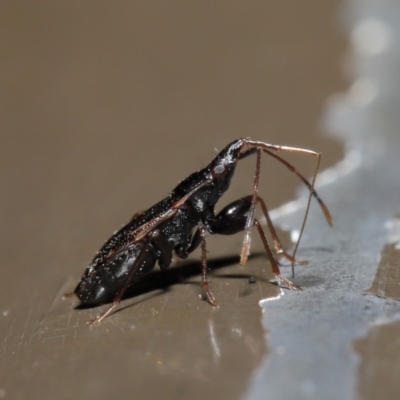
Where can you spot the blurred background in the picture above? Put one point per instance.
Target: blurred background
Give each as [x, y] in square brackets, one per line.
[104, 108]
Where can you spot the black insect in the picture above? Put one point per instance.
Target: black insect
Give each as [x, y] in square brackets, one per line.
[180, 222]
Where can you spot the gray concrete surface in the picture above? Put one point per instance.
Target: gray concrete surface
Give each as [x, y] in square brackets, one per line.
[311, 335]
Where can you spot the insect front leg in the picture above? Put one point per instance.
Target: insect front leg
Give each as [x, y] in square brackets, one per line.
[277, 243]
[232, 219]
[232, 214]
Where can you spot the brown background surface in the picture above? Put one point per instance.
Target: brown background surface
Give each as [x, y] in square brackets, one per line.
[104, 107]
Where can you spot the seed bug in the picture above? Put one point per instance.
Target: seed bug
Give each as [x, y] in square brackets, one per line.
[180, 222]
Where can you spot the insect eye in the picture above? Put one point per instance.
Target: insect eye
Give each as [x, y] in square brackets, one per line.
[218, 171]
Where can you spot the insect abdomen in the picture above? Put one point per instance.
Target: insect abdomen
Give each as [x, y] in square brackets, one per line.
[100, 285]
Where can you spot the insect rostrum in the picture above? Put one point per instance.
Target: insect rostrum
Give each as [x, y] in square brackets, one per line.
[179, 224]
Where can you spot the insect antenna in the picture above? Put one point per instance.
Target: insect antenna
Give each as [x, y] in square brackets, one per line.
[321, 203]
[272, 150]
[312, 192]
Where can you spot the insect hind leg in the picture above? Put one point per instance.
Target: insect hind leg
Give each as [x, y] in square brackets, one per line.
[135, 267]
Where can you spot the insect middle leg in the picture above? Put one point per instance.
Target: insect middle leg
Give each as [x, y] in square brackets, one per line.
[232, 219]
[198, 238]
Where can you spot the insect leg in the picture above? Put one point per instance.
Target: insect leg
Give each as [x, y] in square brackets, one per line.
[184, 251]
[275, 269]
[204, 269]
[310, 186]
[128, 280]
[232, 219]
[250, 217]
[229, 221]
[271, 150]
[198, 238]
[163, 248]
[277, 243]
